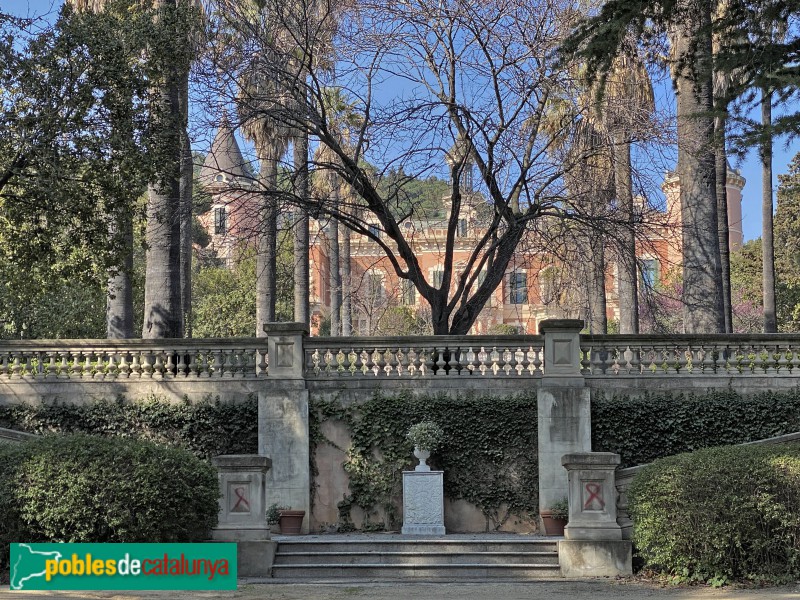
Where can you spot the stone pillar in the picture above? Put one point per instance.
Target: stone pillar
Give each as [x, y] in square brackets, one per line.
[242, 511]
[423, 502]
[283, 419]
[285, 350]
[593, 544]
[563, 404]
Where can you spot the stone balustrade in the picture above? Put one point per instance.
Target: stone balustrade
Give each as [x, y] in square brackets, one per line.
[425, 356]
[690, 355]
[601, 357]
[133, 359]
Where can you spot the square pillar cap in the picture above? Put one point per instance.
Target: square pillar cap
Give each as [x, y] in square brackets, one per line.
[242, 462]
[561, 325]
[590, 460]
[286, 328]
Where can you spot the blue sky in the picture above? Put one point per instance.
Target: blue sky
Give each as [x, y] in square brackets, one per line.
[750, 167]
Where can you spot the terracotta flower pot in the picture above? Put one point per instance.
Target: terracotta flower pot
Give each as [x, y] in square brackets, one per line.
[291, 521]
[552, 525]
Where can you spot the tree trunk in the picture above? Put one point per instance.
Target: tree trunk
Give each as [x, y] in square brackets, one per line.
[722, 221]
[344, 261]
[119, 303]
[187, 175]
[767, 245]
[596, 285]
[301, 235]
[702, 270]
[266, 258]
[162, 293]
[334, 271]
[626, 253]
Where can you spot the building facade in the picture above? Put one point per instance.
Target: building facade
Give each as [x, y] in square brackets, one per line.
[539, 283]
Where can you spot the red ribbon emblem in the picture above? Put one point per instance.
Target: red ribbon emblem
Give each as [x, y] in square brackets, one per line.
[595, 491]
[241, 501]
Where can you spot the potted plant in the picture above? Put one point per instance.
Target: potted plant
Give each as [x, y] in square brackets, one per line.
[425, 437]
[290, 522]
[555, 519]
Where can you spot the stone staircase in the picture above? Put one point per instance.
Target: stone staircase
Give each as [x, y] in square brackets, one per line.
[395, 557]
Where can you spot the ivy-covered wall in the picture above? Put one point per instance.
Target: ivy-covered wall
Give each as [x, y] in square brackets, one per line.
[489, 458]
[207, 428]
[647, 427]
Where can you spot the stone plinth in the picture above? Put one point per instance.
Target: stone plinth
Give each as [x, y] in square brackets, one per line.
[593, 546]
[242, 514]
[592, 496]
[423, 503]
[562, 350]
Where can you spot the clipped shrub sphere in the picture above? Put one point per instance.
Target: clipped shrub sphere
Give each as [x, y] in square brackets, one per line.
[721, 514]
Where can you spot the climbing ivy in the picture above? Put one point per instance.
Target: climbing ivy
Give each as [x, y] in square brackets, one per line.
[489, 452]
[206, 428]
[644, 428]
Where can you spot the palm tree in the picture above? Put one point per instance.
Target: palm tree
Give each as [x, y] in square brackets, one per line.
[767, 244]
[119, 295]
[257, 98]
[627, 102]
[599, 39]
[163, 315]
[341, 117]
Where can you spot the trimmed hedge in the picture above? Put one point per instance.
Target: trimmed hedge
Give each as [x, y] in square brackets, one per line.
[207, 428]
[642, 429]
[721, 514]
[79, 488]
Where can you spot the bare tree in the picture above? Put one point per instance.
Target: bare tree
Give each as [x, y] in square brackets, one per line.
[424, 77]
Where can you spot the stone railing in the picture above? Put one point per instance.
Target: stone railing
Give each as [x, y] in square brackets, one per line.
[425, 356]
[690, 355]
[133, 359]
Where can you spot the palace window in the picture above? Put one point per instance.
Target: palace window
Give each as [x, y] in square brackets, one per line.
[517, 286]
[437, 277]
[220, 220]
[648, 267]
[409, 292]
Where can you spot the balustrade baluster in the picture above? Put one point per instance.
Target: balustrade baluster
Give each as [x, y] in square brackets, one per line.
[769, 360]
[51, 370]
[16, 366]
[111, 364]
[4, 369]
[794, 360]
[720, 363]
[184, 364]
[123, 368]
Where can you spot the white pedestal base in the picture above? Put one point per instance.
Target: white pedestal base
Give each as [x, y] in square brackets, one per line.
[423, 503]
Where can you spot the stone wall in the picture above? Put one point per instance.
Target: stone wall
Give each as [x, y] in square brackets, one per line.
[287, 371]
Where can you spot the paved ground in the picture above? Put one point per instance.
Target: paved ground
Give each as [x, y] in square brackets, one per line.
[539, 590]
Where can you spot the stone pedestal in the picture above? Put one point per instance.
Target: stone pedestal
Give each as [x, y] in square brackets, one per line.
[242, 514]
[283, 433]
[423, 503]
[593, 546]
[563, 405]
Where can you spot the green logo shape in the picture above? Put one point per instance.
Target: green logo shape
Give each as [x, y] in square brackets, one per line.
[123, 567]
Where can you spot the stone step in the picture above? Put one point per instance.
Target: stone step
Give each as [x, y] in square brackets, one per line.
[415, 558]
[441, 572]
[390, 558]
[419, 546]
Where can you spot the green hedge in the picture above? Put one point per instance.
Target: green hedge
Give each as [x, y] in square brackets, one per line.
[721, 513]
[642, 429]
[489, 452]
[79, 488]
[207, 428]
